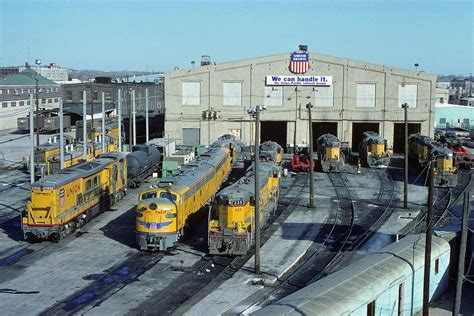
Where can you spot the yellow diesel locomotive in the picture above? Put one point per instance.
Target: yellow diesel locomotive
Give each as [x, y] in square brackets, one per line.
[271, 151]
[373, 150]
[330, 156]
[65, 201]
[162, 211]
[45, 151]
[231, 223]
[424, 150]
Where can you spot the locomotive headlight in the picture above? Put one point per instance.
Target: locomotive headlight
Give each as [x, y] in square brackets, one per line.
[153, 206]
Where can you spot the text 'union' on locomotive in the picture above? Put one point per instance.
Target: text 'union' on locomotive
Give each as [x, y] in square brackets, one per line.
[373, 150]
[162, 212]
[423, 151]
[62, 202]
[330, 156]
[231, 225]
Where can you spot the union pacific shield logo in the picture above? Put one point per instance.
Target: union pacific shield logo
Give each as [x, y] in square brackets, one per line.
[299, 62]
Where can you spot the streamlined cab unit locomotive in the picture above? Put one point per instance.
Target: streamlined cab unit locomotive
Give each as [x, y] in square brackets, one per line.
[163, 211]
[423, 150]
[62, 202]
[330, 157]
[231, 220]
[373, 150]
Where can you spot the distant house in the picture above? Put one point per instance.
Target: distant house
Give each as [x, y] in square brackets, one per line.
[453, 115]
[15, 93]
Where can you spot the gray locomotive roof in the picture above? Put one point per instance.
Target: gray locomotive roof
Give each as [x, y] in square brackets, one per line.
[195, 169]
[270, 146]
[64, 176]
[372, 138]
[67, 155]
[245, 187]
[435, 148]
[329, 140]
[357, 283]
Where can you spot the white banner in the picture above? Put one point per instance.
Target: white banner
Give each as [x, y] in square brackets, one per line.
[276, 80]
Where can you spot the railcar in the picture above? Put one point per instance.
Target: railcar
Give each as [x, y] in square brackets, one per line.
[373, 150]
[423, 150]
[272, 149]
[231, 225]
[142, 162]
[45, 151]
[163, 211]
[232, 143]
[330, 157]
[63, 202]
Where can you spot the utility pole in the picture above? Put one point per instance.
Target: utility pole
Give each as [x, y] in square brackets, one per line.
[296, 119]
[37, 113]
[129, 112]
[134, 114]
[429, 233]
[92, 123]
[61, 135]
[32, 140]
[462, 255]
[84, 125]
[119, 112]
[104, 149]
[309, 106]
[147, 136]
[405, 184]
[255, 113]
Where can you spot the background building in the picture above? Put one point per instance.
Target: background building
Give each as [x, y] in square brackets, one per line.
[15, 93]
[52, 71]
[206, 102]
[453, 115]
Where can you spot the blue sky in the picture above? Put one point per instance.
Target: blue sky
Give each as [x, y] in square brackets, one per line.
[161, 35]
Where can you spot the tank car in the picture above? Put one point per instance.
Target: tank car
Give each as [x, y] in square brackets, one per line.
[163, 210]
[231, 224]
[142, 162]
[373, 150]
[62, 202]
[423, 150]
[330, 157]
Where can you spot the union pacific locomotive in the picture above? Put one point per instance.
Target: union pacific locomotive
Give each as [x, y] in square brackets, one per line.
[271, 151]
[231, 224]
[330, 157]
[373, 150]
[162, 211]
[423, 150]
[63, 202]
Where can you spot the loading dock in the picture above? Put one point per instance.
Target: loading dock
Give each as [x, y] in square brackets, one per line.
[321, 128]
[399, 135]
[275, 131]
[358, 129]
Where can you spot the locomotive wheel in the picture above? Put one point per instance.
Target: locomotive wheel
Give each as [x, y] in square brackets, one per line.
[31, 238]
[55, 237]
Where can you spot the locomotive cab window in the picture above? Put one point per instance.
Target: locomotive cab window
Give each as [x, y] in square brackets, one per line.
[168, 196]
[148, 195]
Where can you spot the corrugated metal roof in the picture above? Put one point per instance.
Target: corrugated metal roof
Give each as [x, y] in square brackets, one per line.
[26, 78]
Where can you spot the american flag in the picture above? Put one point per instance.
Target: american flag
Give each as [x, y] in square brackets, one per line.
[299, 63]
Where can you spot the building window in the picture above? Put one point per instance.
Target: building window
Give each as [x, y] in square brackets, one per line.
[191, 93]
[95, 96]
[69, 95]
[407, 94]
[436, 266]
[50, 100]
[4, 104]
[365, 95]
[27, 102]
[13, 104]
[442, 120]
[22, 103]
[324, 96]
[273, 96]
[56, 100]
[108, 96]
[441, 100]
[232, 93]
[43, 101]
[1, 91]
[466, 123]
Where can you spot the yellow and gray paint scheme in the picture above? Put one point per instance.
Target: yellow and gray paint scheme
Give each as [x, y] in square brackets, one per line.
[62, 202]
[231, 221]
[163, 211]
[423, 150]
[373, 150]
[330, 156]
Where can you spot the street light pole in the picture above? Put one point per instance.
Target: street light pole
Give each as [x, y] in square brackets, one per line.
[255, 113]
[405, 184]
[429, 233]
[37, 113]
[309, 106]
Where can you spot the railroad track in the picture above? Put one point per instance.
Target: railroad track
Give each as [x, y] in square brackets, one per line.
[215, 270]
